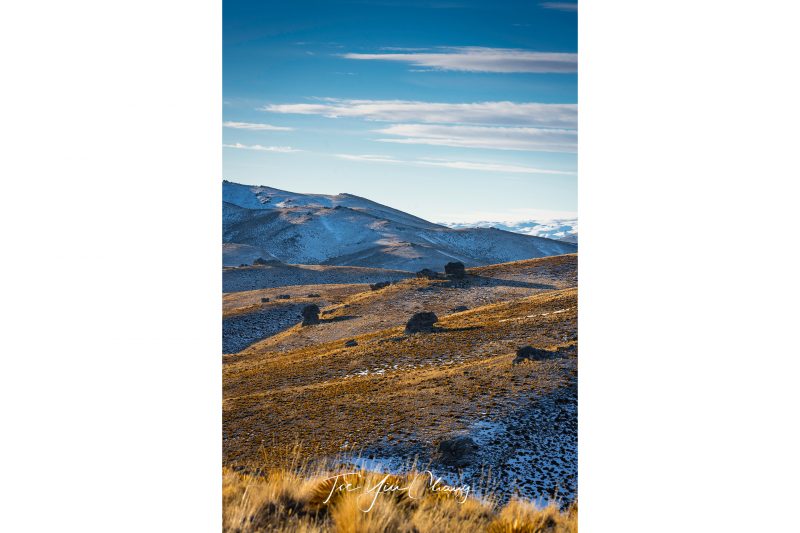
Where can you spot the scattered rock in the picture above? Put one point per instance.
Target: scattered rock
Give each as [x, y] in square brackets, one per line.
[264, 300]
[260, 261]
[459, 309]
[313, 295]
[457, 452]
[427, 273]
[455, 270]
[310, 315]
[379, 286]
[421, 322]
[531, 354]
[351, 343]
[284, 296]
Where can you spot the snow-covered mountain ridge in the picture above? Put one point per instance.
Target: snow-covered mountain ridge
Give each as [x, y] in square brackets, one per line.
[345, 229]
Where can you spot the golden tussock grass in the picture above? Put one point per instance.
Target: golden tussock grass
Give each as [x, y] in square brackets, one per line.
[282, 500]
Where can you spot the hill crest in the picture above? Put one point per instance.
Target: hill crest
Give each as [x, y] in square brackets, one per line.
[346, 229]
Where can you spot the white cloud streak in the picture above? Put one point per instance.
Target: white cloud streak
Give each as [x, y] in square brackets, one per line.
[560, 6]
[254, 126]
[260, 148]
[499, 113]
[459, 165]
[497, 138]
[480, 59]
[370, 158]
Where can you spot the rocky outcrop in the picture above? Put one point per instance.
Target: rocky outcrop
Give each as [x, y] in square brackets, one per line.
[427, 273]
[529, 353]
[456, 452]
[421, 322]
[455, 270]
[310, 315]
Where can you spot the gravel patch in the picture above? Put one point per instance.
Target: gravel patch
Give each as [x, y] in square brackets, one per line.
[240, 331]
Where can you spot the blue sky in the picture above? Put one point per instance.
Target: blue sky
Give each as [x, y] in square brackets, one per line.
[450, 110]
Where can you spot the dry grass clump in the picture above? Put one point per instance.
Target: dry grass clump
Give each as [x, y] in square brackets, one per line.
[560, 269]
[519, 516]
[284, 501]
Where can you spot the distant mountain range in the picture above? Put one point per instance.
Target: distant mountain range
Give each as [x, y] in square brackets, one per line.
[345, 229]
[562, 229]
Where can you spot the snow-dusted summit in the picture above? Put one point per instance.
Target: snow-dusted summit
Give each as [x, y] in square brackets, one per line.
[349, 230]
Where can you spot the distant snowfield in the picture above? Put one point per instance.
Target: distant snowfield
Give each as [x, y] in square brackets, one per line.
[563, 229]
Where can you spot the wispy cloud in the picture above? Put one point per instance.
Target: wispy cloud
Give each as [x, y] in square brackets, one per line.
[480, 59]
[498, 138]
[369, 158]
[501, 113]
[254, 126]
[560, 6]
[459, 165]
[491, 167]
[258, 147]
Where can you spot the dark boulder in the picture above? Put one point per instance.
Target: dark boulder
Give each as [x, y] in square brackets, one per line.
[313, 295]
[260, 261]
[529, 353]
[457, 452]
[351, 343]
[264, 300]
[310, 315]
[421, 322]
[455, 270]
[427, 273]
[459, 309]
[380, 285]
[284, 296]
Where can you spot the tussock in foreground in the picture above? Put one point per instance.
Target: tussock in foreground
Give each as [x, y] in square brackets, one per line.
[287, 500]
